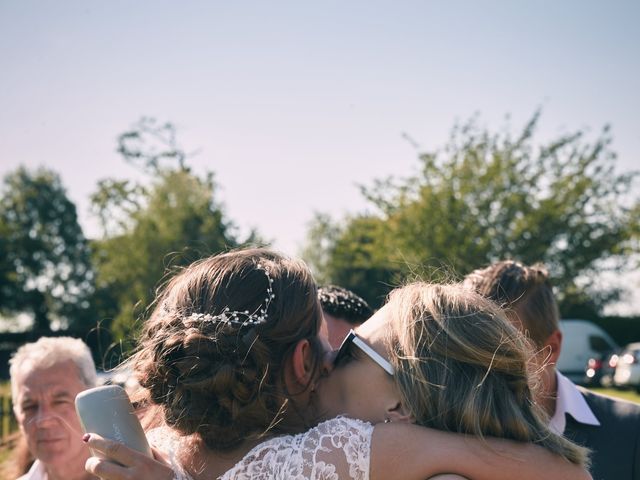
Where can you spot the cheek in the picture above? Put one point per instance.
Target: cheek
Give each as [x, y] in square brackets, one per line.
[358, 391]
[330, 393]
[26, 422]
[69, 417]
[372, 394]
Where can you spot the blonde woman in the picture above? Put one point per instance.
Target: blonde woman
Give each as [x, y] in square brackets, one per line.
[457, 365]
[233, 393]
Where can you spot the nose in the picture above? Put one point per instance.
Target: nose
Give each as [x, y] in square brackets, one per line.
[43, 416]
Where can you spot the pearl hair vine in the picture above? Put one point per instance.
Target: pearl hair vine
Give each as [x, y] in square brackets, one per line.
[237, 318]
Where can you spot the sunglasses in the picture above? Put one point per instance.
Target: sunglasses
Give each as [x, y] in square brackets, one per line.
[353, 339]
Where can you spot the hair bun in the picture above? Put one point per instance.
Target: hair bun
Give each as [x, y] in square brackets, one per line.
[212, 352]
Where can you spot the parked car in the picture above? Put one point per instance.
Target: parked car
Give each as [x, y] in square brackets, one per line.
[582, 340]
[600, 370]
[628, 368]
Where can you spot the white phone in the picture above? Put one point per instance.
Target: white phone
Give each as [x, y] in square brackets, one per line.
[107, 411]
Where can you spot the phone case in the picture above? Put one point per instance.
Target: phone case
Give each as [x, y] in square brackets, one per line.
[107, 411]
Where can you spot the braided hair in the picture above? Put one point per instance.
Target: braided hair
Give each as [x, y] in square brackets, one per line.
[344, 304]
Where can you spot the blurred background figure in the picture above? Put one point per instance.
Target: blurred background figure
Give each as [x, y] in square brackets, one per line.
[609, 427]
[343, 310]
[46, 376]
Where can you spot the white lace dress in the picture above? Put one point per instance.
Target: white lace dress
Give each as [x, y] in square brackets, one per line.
[336, 449]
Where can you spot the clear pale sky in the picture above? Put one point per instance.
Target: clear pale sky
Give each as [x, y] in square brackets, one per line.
[293, 104]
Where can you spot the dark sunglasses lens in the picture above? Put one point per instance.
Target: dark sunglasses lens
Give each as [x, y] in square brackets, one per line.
[345, 350]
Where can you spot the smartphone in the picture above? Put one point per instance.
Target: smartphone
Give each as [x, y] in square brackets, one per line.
[107, 411]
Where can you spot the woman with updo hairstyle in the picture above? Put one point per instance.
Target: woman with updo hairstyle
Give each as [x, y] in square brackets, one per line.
[195, 364]
[232, 357]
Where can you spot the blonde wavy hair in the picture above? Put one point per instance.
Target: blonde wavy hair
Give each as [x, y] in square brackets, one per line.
[461, 366]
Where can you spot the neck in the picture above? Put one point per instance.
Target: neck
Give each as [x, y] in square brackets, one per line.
[67, 472]
[549, 390]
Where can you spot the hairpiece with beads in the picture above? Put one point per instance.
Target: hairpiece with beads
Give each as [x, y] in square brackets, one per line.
[238, 318]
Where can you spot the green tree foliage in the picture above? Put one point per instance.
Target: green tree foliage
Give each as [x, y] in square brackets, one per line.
[489, 196]
[353, 256]
[45, 266]
[166, 223]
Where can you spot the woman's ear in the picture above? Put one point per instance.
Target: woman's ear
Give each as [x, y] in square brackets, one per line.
[302, 362]
[399, 414]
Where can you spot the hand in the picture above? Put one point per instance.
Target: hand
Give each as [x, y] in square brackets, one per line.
[122, 463]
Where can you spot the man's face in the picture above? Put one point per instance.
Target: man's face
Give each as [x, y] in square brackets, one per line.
[46, 413]
[338, 329]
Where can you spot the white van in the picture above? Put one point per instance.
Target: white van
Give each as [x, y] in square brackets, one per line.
[581, 340]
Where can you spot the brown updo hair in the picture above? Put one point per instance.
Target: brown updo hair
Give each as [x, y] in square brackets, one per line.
[222, 381]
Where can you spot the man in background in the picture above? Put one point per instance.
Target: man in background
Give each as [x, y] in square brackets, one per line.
[610, 428]
[46, 376]
[343, 310]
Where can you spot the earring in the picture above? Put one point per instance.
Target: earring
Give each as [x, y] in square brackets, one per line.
[387, 420]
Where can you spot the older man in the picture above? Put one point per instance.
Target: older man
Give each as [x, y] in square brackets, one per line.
[46, 376]
[610, 428]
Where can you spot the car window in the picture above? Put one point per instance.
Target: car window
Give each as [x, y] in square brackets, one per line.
[599, 344]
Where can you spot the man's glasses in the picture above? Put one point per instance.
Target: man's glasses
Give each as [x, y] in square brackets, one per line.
[353, 339]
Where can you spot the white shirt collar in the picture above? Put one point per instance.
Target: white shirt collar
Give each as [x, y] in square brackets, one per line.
[570, 400]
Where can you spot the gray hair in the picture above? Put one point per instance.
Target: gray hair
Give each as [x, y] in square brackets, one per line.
[49, 351]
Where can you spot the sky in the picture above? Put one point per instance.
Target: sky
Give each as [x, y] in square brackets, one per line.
[295, 104]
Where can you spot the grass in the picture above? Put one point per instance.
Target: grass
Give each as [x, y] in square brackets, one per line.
[629, 395]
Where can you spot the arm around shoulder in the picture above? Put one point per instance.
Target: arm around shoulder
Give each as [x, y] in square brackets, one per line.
[414, 452]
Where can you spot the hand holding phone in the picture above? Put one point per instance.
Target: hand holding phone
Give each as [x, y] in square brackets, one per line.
[108, 412]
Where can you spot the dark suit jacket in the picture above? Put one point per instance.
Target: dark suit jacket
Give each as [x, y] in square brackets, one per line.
[615, 444]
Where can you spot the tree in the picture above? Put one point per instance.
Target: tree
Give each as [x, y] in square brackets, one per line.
[352, 257]
[486, 197]
[45, 267]
[155, 228]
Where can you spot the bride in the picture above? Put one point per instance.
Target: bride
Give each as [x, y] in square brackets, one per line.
[233, 357]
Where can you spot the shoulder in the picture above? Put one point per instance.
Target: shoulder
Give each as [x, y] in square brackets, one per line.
[339, 424]
[615, 443]
[334, 433]
[611, 408]
[336, 448]
[333, 428]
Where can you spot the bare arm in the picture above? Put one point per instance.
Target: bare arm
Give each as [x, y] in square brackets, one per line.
[413, 452]
[397, 451]
[448, 476]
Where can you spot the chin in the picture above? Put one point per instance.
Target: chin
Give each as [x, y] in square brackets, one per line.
[54, 452]
[64, 460]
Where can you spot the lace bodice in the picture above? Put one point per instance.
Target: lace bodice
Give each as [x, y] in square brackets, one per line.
[336, 449]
